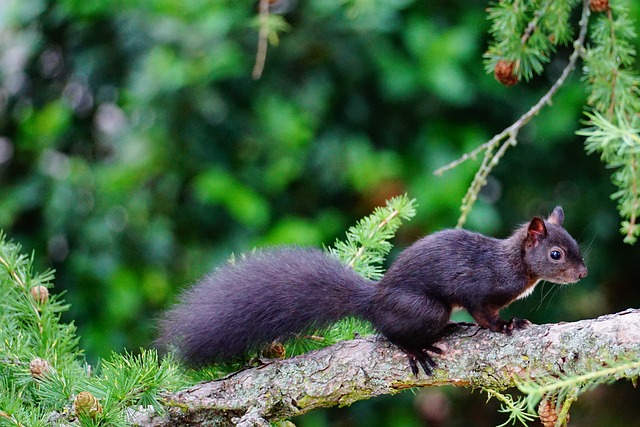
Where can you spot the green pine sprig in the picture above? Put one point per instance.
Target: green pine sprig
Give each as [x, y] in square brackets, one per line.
[563, 390]
[41, 366]
[613, 126]
[133, 381]
[570, 386]
[508, 18]
[527, 32]
[617, 142]
[34, 322]
[368, 242]
[516, 409]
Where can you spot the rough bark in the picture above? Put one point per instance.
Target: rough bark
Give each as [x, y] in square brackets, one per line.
[362, 368]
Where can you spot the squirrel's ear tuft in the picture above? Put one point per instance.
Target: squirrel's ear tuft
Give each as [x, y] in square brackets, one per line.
[537, 229]
[556, 217]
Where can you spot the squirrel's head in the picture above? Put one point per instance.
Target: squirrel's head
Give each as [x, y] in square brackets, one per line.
[550, 252]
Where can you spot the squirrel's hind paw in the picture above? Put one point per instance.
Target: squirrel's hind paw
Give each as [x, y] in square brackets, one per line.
[422, 358]
[516, 323]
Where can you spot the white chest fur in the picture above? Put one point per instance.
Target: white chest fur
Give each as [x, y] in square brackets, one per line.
[529, 290]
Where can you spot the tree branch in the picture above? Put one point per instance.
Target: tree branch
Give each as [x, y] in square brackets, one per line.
[362, 368]
[508, 137]
[263, 39]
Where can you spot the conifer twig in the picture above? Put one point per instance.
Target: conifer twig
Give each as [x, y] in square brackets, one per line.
[11, 419]
[612, 107]
[263, 39]
[12, 272]
[614, 71]
[511, 132]
[362, 248]
[533, 24]
[635, 202]
[367, 243]
[32, 303]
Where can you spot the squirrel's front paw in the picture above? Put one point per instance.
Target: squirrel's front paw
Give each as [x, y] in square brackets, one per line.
[516, 323]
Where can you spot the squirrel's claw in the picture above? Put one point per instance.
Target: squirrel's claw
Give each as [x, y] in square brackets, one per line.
[515, 324]
[423, 358]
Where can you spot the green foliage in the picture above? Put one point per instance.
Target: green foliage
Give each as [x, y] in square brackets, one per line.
[136, 380]
[31, 327]
[563, 390]
[570, 386]
[135, 135]
[609, 61]
[517, 410]
[273, 25]
[527, 32]
[42, 372]
[614, 100]
[368, 242]
[505, 18]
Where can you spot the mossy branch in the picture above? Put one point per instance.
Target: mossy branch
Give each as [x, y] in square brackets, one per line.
[359, 369]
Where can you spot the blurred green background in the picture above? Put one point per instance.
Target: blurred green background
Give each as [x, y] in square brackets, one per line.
[137, 153]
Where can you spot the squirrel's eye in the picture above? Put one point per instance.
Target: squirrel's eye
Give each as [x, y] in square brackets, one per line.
[555, 254]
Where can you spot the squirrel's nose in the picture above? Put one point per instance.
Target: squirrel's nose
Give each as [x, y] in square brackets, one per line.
[582, 271]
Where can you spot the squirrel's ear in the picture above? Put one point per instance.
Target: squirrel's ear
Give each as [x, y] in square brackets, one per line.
[556, 217]
[537, 229]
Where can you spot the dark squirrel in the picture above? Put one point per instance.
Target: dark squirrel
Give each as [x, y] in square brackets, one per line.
[278, 293]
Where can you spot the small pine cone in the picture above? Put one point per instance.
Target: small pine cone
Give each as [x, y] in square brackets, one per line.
[275, 350]
[599, 5]
[87, 404]
[39, 368]
[548, 413]
[504, 72]
[40, 294]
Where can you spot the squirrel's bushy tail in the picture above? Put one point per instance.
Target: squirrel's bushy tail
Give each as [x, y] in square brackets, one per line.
[265, 296]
